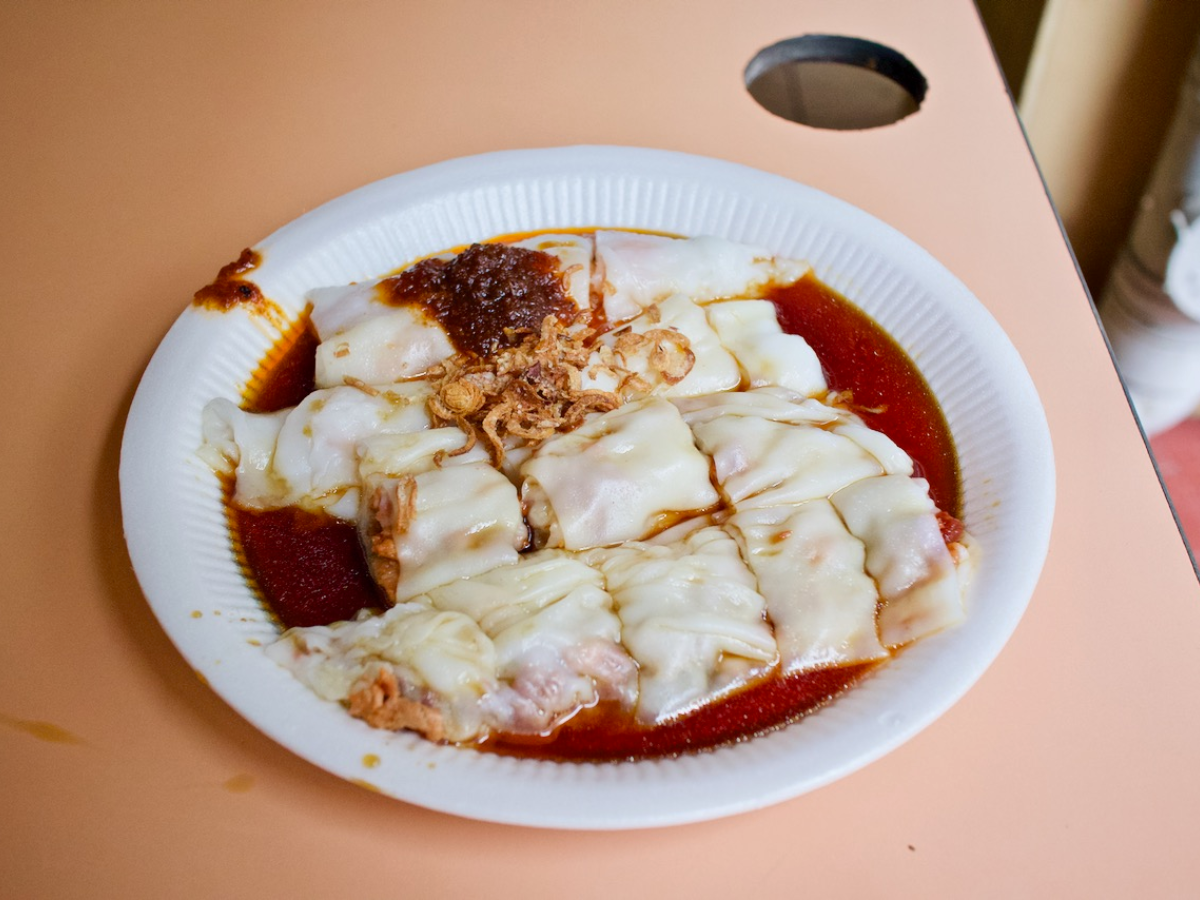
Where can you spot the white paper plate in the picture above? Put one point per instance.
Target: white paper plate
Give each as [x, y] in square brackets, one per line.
[176, 527]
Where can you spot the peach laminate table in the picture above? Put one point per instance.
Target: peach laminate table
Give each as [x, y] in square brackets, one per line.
[145, 144]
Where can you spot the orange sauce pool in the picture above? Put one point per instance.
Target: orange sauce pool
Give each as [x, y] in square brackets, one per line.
[311, 570]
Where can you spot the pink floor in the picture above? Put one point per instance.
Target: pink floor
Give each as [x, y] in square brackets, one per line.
[1178, 454]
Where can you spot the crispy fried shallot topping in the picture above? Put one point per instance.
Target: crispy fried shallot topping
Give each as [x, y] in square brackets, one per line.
[533, 389]
[669, 352]
[381, 704]
[359, 384]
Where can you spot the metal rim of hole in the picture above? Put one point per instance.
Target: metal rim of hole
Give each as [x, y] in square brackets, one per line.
[776, 79]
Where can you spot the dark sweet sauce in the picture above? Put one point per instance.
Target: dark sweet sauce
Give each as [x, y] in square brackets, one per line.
[311, 570]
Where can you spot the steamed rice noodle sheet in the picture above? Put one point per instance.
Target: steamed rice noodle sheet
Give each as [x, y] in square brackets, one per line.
[515, 650]
[921, 580]
[307, 456]
[556, 635]
[642, 495]
[429, 517]
[691, 617]
[634, 272]
[616, 478]
[811, 570]
[767, 356]
[413, 667]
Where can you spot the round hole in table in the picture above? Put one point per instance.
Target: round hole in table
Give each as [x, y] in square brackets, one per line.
[835, 82]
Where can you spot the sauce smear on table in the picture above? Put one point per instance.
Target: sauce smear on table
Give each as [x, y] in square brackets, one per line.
[311, 570]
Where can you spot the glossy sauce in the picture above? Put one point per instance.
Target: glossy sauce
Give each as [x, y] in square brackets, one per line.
[606, 733]
[285, 376]
[890, 395]
[311, 569]
[230, 288]
[511, 289]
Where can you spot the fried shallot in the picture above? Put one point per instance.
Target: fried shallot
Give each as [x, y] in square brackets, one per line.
[534, 389]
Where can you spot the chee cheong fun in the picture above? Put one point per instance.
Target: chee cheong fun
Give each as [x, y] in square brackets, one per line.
[601, 490]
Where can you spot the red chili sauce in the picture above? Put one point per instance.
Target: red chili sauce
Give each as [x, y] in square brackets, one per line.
[311, 569]
[512, 289]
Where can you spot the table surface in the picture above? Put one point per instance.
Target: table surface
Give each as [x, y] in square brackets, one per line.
[146, 144]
